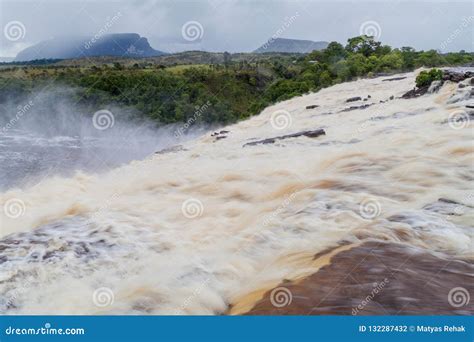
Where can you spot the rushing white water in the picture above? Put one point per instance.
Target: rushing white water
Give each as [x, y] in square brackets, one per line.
[189, 231]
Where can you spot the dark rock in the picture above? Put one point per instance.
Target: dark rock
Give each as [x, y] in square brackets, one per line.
[393, 79]
[369, 97]
[309, 134]
[415, 92]
[220, 135]
[353, 99]
[356, 107]
[312, 106]
[462, 85]
[470, 106]
[391, 97]
[456, 76]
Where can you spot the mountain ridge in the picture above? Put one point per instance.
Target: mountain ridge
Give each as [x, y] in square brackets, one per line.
[115, 44]
[291, 45]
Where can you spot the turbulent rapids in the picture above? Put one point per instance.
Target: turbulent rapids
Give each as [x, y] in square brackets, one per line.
[383, 200]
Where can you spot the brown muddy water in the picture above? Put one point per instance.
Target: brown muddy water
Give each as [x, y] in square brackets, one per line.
[374, 217]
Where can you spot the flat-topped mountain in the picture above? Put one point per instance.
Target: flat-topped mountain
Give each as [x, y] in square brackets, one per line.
[291, 45]
[117, 44]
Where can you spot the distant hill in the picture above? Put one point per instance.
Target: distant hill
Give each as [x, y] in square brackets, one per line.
[118, 44]
[171, 59]
[291, 45]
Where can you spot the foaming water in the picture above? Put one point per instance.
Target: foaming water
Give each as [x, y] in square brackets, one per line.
[187, 232]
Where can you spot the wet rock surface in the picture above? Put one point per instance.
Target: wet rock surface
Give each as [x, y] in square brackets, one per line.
[309, 134]
[435, 87]
[378, 278]
[220, 135]
[415, 92]
[394, 79]
[351, 108]
[456, 76]
[353, 99]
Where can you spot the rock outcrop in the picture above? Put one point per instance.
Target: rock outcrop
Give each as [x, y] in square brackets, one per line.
[309, 134]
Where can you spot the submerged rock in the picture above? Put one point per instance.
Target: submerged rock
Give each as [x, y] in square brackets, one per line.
[356, 107]
[435, 87]
[312, 106]
[448, 207]
[394, 79]
[309, 134]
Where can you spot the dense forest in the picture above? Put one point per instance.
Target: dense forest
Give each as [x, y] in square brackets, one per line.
[231, 90]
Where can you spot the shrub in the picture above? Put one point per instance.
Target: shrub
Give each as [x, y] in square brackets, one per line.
[425, 78]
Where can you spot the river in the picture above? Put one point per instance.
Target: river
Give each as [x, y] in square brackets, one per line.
[212, 227]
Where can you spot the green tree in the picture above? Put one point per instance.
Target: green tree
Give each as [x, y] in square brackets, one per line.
[365, 45]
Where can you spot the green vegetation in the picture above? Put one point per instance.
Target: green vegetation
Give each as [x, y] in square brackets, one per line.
[235, 86]
[425, 78]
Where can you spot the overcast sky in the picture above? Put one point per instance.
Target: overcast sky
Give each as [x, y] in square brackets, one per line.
[234, 25]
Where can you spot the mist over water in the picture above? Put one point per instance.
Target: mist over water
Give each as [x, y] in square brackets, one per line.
[48, 134]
